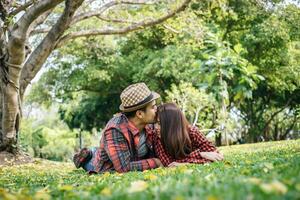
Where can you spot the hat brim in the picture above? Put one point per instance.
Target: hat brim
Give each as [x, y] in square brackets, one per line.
[155, 96]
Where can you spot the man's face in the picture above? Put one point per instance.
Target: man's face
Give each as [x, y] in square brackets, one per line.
[149, 116]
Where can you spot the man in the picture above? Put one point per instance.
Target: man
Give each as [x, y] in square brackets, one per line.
[124, 145]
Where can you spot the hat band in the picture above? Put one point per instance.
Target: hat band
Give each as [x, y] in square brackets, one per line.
[149, 98]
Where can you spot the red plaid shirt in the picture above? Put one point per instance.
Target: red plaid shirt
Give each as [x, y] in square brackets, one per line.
[118, 148]
[199, 144]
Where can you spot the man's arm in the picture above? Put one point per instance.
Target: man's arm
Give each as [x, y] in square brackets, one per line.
[117, 148]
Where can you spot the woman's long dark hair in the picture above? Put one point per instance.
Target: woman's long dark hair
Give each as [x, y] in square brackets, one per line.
[174, 130]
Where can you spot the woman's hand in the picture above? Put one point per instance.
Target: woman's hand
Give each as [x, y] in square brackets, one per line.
[175, 164]
[213, 156]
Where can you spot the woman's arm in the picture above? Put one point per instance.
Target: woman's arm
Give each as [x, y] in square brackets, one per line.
[204, 150]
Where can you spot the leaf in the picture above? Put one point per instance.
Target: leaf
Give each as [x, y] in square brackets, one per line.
[150, 177]
[254, 180]
[138, 186]
[6, 195]
[269, 165]
[274, 187]
[238, 48]
[208, 177]
[42, 194]
[106, 191]
[178, 197]
[188, 171]
[212, 198]
[66, 187]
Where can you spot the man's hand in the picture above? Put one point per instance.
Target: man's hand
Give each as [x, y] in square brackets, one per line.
[213, 156]
[175, 164]
[158, 162]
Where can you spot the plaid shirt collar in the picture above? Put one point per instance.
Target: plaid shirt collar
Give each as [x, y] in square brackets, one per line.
[133, 129]
[122, 122]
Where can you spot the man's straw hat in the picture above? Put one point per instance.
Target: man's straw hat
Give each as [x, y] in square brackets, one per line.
[136, 96]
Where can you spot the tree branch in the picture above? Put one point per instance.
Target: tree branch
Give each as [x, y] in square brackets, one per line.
[4, 9]
[276, 113]
[106, 6]
[20, 28]
[125, 22]
[17, 37]
[291, 127]
[40, 20]
[39, 31]
[43, 50]
[21, 8]
[115, 20]
[133, 27]
[171, 29]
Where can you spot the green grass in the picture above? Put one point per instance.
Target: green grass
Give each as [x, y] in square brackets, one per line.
[252, 171]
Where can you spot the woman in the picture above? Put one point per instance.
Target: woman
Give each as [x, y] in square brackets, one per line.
[176, 142]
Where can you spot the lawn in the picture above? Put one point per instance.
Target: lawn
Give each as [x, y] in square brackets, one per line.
[252, 171]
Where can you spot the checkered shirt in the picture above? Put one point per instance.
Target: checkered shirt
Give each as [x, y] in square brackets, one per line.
[199, 144]
[119, 148]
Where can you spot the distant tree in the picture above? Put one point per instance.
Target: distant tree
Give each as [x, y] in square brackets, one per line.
[31, 30]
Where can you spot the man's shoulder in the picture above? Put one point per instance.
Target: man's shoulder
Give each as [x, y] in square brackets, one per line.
[118, 122]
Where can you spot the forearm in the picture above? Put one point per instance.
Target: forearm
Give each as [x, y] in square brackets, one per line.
[142, 165]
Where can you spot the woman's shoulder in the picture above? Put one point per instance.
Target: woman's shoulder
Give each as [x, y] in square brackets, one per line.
[193, 129]
[194, 132]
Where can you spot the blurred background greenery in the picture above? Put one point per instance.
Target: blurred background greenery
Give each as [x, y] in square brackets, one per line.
[232, 66]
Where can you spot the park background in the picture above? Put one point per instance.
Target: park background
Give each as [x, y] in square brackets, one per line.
[233, 67]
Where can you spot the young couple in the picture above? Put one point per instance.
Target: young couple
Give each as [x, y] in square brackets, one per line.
[145, 136]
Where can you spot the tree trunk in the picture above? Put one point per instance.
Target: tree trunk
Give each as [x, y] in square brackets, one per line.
[1, 137]
[10, 108]
[284, 135]
[275, 133]
[80, 138]
[13, 61]
[196, 116]
[10, 118]
[218, 139]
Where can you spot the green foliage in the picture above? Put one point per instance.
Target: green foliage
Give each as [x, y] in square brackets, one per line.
[194, 103]
[243, 53]
[225, 69]
[47, 137]
[258, 171]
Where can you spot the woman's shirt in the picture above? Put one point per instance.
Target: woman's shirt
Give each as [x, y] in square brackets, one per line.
[199, 144]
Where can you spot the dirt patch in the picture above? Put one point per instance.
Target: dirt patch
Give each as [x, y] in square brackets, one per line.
[8, 159]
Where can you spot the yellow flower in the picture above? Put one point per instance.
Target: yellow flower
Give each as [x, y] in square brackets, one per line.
[212, 198]
[42, 195]
[106, 192]
[66, 187]
[138, 186]
[150, 177]
[254, 180]
[274, 187]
